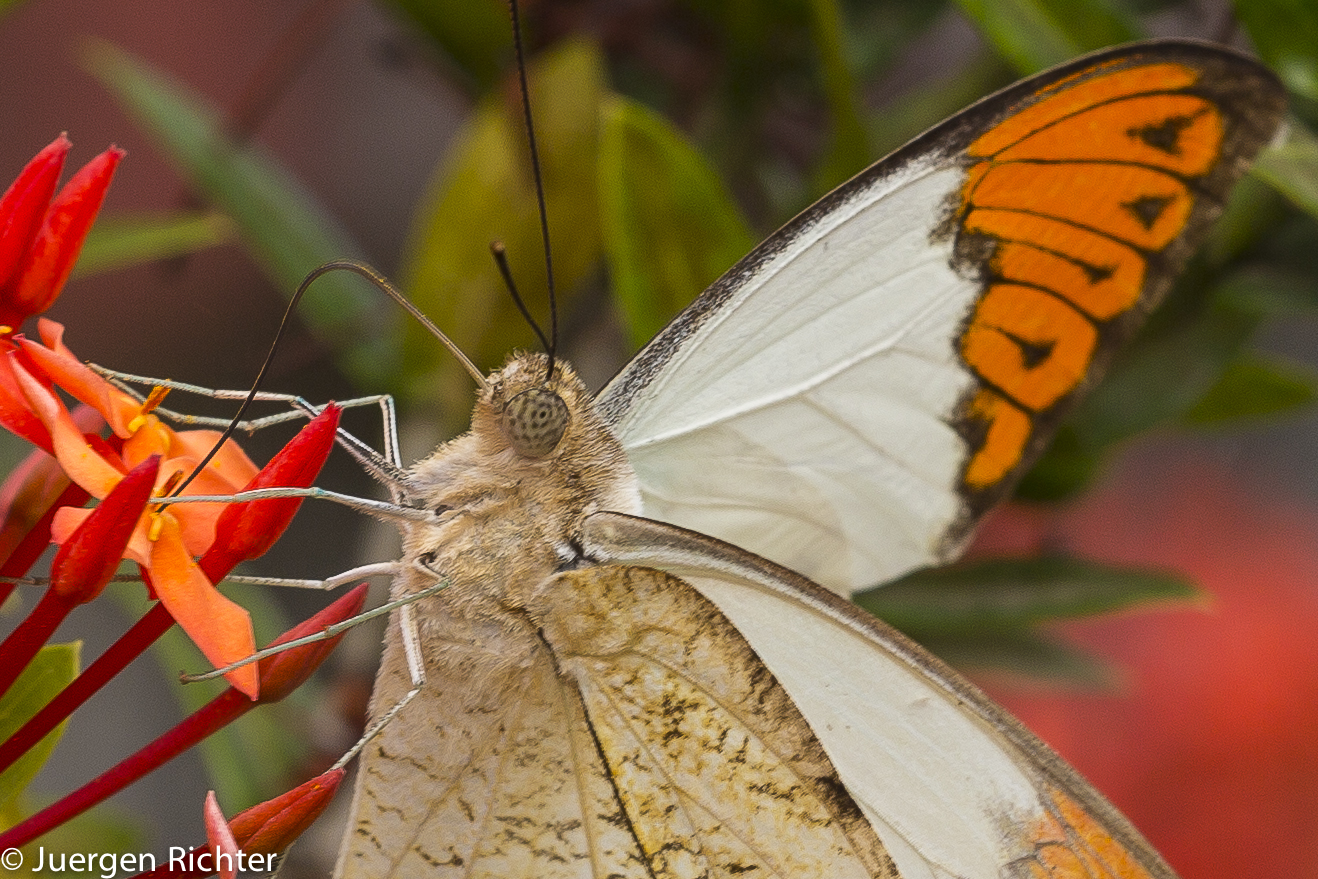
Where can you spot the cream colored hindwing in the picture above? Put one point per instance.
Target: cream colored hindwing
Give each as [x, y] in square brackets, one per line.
[638, 735]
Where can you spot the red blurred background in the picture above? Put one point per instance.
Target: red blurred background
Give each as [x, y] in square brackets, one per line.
[1209, 740]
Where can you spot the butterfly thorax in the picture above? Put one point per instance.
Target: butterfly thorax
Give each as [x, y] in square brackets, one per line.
[508, 520]
[510, 497]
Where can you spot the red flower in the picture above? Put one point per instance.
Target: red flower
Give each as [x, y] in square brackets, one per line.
[1211, 745]
[39, 238]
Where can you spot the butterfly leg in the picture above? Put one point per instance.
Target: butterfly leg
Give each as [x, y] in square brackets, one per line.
[416, 668]
[403, 605]
[386, 461]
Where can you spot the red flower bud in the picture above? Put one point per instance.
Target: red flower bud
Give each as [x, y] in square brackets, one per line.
[284, 672]
[245, 531]
[272, 826]
[39, 238]
[50, 257]
[24, 204]
[223, 847]
[87, 560]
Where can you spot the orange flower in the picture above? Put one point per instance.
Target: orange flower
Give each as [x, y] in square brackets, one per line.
[165, 541]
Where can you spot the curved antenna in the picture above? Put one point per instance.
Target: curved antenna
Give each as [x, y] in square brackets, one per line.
[550, 349]
[500, 254]
[379, 281]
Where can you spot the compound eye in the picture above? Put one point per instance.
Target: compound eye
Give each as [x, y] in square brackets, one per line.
[535, 421]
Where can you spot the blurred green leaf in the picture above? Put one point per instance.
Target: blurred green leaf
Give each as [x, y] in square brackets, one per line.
[1268, 289]
[1037, 34]
[1285, 33]
[475, 34]
[1253, 386]
[1137, 395]
[1292, 168]
[1252, 214]
[670, 228]
[1194, 345]
[1027, 655]
[1002, 595]
[1066, 468]
[50, 671]
[284, 228]
[849, 150]
[482, 193]
[120, 241]
[932, 102]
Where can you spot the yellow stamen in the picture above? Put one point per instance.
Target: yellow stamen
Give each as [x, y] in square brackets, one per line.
[157, 512]
[153, 399]
[174, 479]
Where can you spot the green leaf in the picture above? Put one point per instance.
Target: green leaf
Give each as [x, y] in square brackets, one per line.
[932, 102]
[287, 232]
[50, 671]
[1268, 289]
[483, 192]
[1137, 395]
[1253, 211]
[670, 227]
[476, 34]
[1285, 33]
[1067, 466]
[120, 241]
[849, 150]
[1037, 34]
[1004, 595]
[1253, 386]
[1292, 168]
[1026, 655]
[106, 828]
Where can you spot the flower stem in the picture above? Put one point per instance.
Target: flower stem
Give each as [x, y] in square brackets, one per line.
[130, 645]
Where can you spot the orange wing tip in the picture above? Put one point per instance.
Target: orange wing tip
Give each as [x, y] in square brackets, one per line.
[1178, 133]
[1028, 343]
[1072, 196]
[1070, 97]
[1006, 431]
[1070, 844]
[1099, 276]
[1143, 207]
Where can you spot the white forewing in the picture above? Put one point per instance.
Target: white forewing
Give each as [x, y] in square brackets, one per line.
[810, 406]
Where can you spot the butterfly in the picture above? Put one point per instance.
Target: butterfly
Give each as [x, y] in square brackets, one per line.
[643, 663]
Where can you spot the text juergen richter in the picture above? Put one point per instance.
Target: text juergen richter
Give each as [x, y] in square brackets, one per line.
[108, 865]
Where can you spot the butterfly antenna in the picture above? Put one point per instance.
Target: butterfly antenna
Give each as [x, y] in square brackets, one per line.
[500, 254]
[340, 265]
[552, 345]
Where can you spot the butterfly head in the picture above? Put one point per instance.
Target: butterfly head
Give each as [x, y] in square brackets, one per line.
[511, 494]
[530, 420]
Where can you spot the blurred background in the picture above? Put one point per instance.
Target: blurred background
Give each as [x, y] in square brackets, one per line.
[265, 138]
